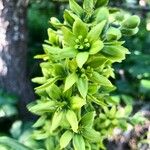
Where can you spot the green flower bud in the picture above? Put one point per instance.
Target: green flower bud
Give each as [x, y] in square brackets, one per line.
[113, 34]
[80, 37]
[76, 46]
[88, 67]
[119, 16]
[81, 47]
[129, 32]
[82, 70]
[83, 75]
[87, 45]
[131, 22]
[77, 41]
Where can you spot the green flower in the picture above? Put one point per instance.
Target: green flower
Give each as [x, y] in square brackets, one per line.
[84, 40]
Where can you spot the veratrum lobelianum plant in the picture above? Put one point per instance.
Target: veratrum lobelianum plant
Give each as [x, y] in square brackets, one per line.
[74, 107]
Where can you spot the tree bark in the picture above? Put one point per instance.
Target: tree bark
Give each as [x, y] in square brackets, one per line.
[13, 50]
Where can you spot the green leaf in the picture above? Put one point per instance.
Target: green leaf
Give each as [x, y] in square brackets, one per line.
[88, 119]
[96, 47]
[112, 111]
[72, 119]
[78, 142]
[13, 144]
[100, 3]
[102, 80]
[69, 37]
[128, 100]
[88, 5]
[51, 49]
[68, 17]
[80, 28]
[40, 122]
[82, 85]
[102, 14]
[96, 61]
[53, 37]
[59, 70]
[66, 53]
[42, 108]
[65, 139]
[76, 8]
[68, 93]
[70, 81]
[93, 88]
[49, 143]
[97, 101]
[91, 135]
[39, 80]
[113, 34]
[42, 56]
[128, 110]
[16, 129]
[105, 123]
[72, 64]
[115, 53]
[96, 31]
[88, 146]
[41, 92]
[55, 23]
[77, 102]
[129, 32]
[138, 118]
[145, 86]
[54, 92]
[114, 43]
[56, 121]
[81, 58]
[48, 83]
[40, 134]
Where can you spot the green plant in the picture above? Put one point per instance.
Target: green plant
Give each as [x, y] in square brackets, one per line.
[75, 108]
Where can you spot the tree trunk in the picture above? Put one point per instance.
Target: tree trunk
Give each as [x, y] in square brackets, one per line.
[13, 50]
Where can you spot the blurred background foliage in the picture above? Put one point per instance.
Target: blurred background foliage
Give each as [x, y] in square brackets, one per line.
[132, 76]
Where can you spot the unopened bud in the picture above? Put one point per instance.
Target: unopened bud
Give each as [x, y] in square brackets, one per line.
[80, 37]
[76, 47]
[87, 44]
[86, 40]
[77, 41]
[81, 47]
